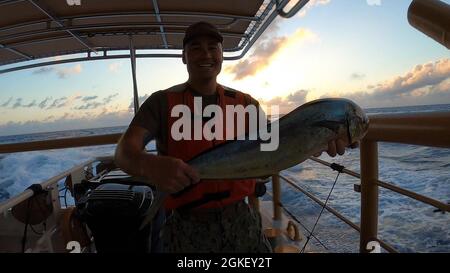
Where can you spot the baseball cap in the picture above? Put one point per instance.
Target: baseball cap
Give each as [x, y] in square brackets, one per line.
[201, 29]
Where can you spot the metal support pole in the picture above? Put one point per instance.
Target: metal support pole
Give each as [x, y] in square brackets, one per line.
[17, 52]
[161, 28]
[276, 189]
[298, 6]
[369, 194]
[133, 72]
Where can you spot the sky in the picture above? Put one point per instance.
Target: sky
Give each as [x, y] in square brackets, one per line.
[364, 50]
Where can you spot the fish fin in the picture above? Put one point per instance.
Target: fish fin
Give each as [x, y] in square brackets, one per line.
[333, 125]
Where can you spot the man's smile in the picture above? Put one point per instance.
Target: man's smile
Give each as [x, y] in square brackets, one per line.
[207, 65]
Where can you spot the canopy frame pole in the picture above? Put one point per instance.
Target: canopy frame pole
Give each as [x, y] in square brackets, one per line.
[161, 27]
[133, 73]
[298, 6]
[17, 52]
[60, 24]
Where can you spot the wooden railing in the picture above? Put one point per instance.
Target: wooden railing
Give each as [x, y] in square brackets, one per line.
[62, 143]
[425, 129]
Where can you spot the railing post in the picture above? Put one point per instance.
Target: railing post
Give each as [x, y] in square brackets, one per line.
[276, 189]
[369, 193]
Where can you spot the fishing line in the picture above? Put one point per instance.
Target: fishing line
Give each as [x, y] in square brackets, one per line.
[338, 168]
[296, 220]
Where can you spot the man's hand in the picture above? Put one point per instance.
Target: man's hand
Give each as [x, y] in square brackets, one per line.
[166, 173]
[337, 147]
[169, 174]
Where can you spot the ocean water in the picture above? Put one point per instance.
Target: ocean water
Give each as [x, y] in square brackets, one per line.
[406, 224]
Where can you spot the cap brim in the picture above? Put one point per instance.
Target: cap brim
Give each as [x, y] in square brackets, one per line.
[211, 34]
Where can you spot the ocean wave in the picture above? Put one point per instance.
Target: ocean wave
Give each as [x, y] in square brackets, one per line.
[35, 167]
[409, 109]
[20, 170]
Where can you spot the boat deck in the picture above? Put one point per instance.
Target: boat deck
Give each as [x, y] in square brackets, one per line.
[281, 233]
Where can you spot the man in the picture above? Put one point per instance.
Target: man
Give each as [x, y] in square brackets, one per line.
[203, 216]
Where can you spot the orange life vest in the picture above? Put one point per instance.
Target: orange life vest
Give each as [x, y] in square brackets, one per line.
[207, 193]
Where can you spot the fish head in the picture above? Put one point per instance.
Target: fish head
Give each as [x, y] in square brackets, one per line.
[357, 123]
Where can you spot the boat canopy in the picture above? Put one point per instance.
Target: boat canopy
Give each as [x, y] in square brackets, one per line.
[31, 30]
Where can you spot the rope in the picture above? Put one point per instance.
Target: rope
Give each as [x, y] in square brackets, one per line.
[298, 221]
[339, 169]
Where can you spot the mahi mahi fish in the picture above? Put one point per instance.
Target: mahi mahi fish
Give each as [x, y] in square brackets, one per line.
[303, 132]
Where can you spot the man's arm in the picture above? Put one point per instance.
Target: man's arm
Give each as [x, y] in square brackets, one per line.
[166, 173]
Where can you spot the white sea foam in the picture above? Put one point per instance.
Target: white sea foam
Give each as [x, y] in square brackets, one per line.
[18, 171]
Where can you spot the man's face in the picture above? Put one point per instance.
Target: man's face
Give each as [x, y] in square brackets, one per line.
[203, 57]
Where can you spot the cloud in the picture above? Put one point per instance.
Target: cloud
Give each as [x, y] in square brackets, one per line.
[5, 104]
[49, 103]
[114, 67]
[18, 103]
[90, 102]
[62, 72]
[109, 98]
[48, 118]
[288, 103]
[89, 105]
[89, 98]
[30, 104]
[311, 4]
[58, 103]
[443, 87]
[64, 102]
[43, 70]
[265, 52]
[67, 121]
[259, 60]
[373, 2]
[67, 115]
[142, 99]
[421, 75]
[424, 84]
[43, 103]
[357, 76]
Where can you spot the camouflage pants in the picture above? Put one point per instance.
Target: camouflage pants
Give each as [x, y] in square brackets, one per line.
[233, 229]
